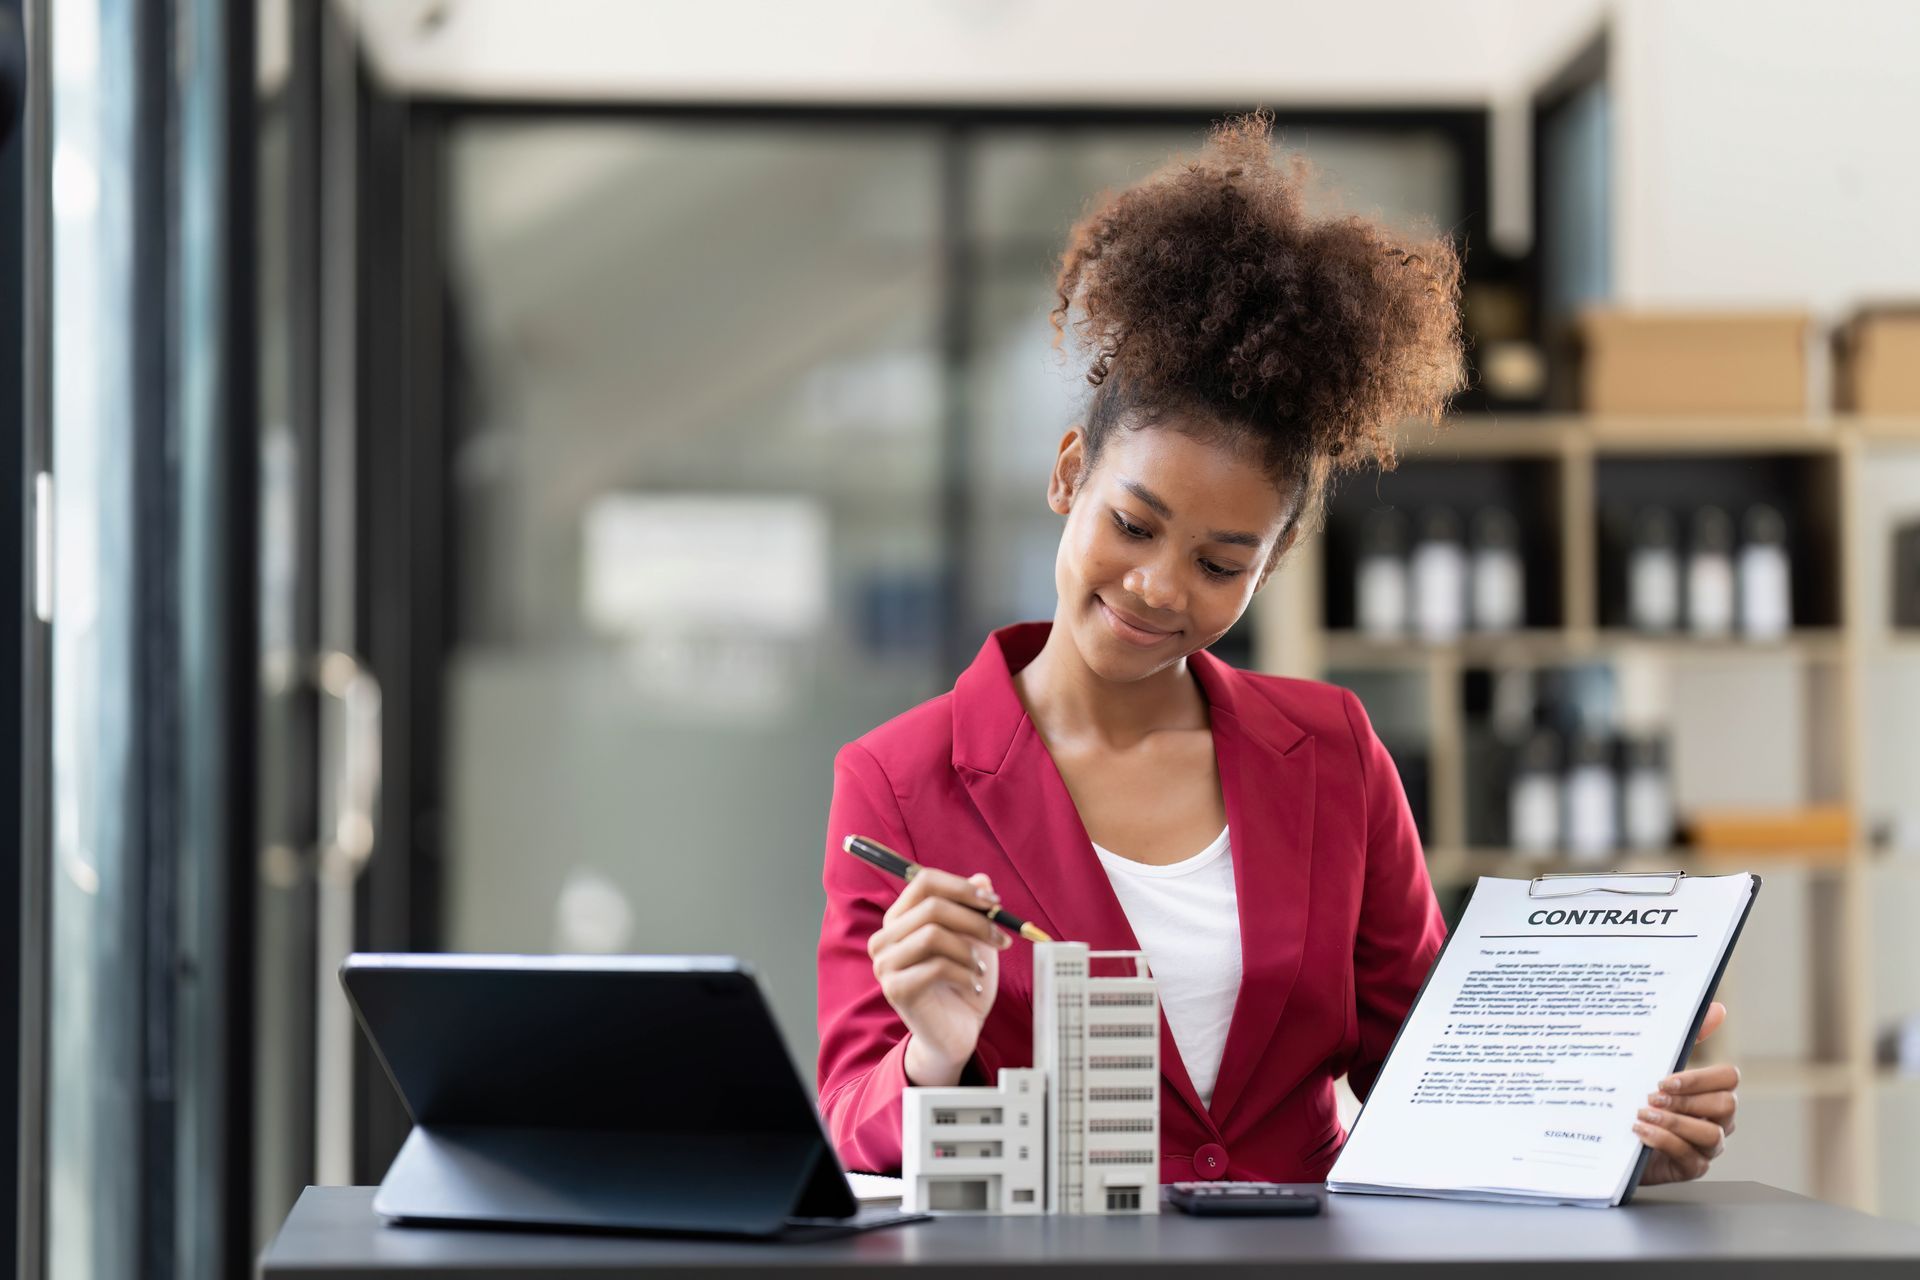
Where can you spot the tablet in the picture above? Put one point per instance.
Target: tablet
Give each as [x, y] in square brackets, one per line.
[631, 1092]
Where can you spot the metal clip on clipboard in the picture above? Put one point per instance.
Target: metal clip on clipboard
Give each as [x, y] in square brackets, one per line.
[1538, 887]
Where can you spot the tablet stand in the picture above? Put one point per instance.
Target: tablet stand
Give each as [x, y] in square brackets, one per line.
[700, 1183]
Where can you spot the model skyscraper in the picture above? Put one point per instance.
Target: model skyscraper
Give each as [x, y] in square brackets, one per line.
[1088, 1110]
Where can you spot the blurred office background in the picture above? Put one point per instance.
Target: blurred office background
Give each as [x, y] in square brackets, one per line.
[482, 459]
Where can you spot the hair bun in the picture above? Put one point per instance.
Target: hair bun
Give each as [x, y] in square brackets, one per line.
[1208, 286]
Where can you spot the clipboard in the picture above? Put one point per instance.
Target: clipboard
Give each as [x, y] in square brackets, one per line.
[1559, 885]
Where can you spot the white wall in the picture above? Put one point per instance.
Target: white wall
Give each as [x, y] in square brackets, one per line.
[1766, 152]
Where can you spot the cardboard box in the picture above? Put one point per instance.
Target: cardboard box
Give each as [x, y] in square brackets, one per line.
[1694, 363]
[1877, 359]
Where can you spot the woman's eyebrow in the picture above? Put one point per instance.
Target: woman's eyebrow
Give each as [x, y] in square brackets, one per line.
[1234, 536]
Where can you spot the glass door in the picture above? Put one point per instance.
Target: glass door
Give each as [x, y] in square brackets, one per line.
[701, 540]
[316, 701]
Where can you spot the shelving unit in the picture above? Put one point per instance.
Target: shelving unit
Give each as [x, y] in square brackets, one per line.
[1564, 464]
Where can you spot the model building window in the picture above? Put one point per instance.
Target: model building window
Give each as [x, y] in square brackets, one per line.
[1136, 999]
[966, 1150]
[1120, 1199]
[1140, 1031]
[1023, 1195]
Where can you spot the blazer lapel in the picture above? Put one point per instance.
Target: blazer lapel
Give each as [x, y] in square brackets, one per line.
[1267, 777]
[1012, 779]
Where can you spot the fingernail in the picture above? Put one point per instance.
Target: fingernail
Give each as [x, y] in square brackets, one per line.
[1658, 1099]
[1671, 1083]
[979, 963]
[1643, 1130]
[1646, 1114]
[1004, 940]
[986, 895]
[978, 989]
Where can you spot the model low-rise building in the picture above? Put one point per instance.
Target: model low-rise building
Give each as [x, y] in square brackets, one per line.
[1079, 1131]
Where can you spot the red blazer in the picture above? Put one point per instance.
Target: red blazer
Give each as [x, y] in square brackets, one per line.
[1338, 923]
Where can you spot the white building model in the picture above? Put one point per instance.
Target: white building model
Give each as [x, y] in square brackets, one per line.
[979, 1148]
[1079, 1131]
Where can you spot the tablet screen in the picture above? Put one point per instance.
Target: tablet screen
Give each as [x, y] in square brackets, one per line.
[658, 1044]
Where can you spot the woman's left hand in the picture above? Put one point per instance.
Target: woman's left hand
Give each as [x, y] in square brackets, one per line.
[1688, 1120]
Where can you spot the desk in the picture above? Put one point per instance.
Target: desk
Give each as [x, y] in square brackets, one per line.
[1693, 1230]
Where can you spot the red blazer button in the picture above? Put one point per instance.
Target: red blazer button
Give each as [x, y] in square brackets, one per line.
[1210, 1161]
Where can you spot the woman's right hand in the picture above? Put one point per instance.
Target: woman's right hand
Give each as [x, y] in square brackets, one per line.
[938, 962]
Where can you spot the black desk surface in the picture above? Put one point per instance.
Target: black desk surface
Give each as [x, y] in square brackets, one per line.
[1693, 1229]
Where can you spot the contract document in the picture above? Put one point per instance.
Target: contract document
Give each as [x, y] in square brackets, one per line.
[1554, 1009]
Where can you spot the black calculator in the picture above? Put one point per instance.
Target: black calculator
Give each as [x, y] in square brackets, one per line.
[1225, 1199]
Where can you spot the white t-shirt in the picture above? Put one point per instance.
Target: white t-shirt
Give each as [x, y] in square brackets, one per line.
[1186, 917]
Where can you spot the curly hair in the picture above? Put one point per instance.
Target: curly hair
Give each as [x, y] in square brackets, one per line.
[1207, 292]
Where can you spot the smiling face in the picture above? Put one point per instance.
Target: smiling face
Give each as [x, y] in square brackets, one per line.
[1167, 538]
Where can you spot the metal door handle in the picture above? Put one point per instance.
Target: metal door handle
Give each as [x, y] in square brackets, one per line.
[350, 794]
[350, 745]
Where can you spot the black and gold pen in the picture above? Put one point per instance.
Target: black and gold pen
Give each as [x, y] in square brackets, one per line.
[877, 854]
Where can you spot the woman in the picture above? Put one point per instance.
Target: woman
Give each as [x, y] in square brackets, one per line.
[1242, 353]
